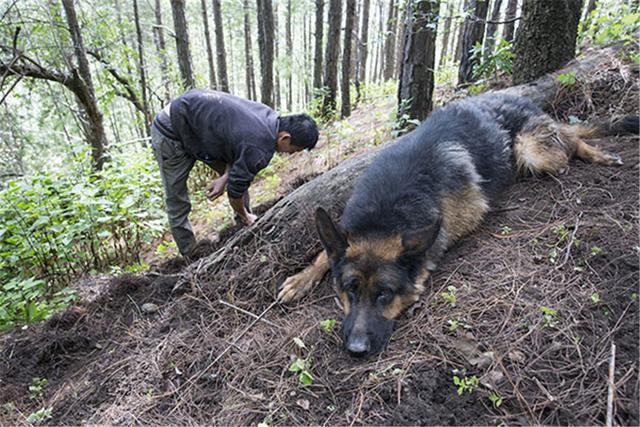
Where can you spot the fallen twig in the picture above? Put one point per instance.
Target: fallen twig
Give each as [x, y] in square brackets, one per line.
[612, 386]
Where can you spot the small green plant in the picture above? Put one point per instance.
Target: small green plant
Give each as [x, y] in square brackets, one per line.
[567, 79]
[505, 230]
[453, 324]
[450, 295]
[40, 415]
[495, 399]
[468, 384]
[302, 368]
[477, 88]
[596, 250]
[327, 325]
[35, 389]
[549, 316]
[491, 65]
[403, 121]
[561, 232]
[595, 298]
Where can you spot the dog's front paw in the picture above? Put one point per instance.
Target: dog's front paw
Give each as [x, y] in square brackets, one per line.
[295, 287]
[613, 158]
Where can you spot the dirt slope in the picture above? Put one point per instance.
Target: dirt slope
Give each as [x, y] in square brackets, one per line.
[541, 289]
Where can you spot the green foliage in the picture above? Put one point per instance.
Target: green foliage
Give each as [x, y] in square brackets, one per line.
[491, 65]
[35, 389]
[55, 226]
[302, 367]
[450, 295]
[549, 316]
[567, 79]
[468, 384]
[40, 415]
[403, 121]
[505, 230]
[495, 399]
[327, 325]
[612, 21]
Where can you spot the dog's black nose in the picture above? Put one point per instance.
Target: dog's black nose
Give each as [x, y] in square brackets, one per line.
[358, 346]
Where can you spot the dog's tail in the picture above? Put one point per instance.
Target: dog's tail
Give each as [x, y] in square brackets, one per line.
[544, 145]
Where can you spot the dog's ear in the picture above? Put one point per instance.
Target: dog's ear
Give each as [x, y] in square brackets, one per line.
[333, 240]
[417, 242]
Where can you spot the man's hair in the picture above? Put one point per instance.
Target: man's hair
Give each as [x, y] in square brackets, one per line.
[303, 129]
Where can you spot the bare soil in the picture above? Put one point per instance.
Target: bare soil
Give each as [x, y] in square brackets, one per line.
[542, 290]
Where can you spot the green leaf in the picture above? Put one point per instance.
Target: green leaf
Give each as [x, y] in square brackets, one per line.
[306, 378]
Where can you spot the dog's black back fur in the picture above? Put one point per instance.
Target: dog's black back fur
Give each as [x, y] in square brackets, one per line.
[401, 188]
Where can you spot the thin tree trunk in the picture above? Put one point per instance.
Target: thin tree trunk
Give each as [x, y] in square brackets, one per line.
[317, 57]
[250, 78]
[415, 88]
[161, 49]
[546, 39]
[141, 69]
[221, 54]
[380, 48]
[510, 14]
[345, 110]
[399, 44]
[182, 43]
[490, 39]
[265, 42]
[389, 42]
[85, 92]
[445, 34]
[289, 38]
[473, 31]
[331, 59]
[465, 9]
[276, 55]
[363, 47]
[207, 39]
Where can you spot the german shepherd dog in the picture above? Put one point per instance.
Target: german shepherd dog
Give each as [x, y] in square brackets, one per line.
[423, 193]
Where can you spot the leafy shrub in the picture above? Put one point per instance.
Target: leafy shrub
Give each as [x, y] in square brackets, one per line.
[55, 226]
[491, 65]
[611, 22]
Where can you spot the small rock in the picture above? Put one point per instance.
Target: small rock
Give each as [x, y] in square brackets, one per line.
[149, 308]
[303, 403]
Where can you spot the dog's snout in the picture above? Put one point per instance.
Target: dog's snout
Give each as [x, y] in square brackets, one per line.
[358, 345]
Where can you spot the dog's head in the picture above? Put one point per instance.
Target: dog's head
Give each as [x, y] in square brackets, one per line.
[376, 278]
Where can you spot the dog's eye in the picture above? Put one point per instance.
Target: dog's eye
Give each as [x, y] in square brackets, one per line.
[351, 285]
[384, 296]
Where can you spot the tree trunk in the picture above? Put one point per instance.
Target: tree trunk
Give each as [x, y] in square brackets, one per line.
[546, 39]
[389, 42]
[161, 50]
[221, 55]
[265, 42]
[445, 34]
[207, 39]
[345, 110]
[182, 43]
[510, 14]
[250, 78]
[490, 38]
[473, 31]
[317, 57]
[293, 215]
[289, 38]
[94, 127]
[276, 54]
[141, 70]
[331, 59]
[465, 9]
[363, 49]
[415, 89]
[399, 44]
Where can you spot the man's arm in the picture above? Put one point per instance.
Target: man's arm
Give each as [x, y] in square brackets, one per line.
[216, 188]
[238, 206]
[248, 163]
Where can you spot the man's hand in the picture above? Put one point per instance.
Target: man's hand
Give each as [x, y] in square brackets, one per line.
[243, 215]
[216, 188]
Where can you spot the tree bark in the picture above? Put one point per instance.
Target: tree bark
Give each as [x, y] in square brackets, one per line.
[389, 42]
[399, 44]
[464, 11]
[473, 31]
[289, 38]
[546, 39]
[363, 49]
[161, 50]
[415, 89]
[490, 38]
[94, 126]
[510, 14]
[277, 89]
[293, 215]
[345, 110]
[331, 59]
[207, 39]
[445, 34]
[265, 42]
[250, 78]
[221, 54]
[317, 57]
[141, 70]
[182, 43]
